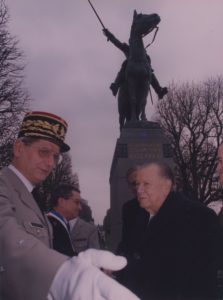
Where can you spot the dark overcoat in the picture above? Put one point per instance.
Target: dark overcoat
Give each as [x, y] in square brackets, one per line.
[175, 254]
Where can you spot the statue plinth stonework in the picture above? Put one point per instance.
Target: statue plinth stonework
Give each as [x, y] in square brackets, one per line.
[139, 142]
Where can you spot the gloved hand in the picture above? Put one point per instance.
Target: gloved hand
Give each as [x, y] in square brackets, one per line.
[80, 279]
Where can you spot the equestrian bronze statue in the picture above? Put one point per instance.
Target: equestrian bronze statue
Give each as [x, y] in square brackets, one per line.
[136, 74]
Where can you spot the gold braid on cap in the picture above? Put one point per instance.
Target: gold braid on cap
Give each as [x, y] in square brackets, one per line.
[43, 128]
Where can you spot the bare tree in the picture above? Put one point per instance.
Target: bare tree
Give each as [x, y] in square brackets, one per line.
[14, 97]
[192, 117]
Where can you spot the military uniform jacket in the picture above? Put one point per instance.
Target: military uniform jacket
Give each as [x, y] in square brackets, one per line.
[27, 264]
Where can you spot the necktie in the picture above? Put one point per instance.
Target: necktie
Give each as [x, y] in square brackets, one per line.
[36, 196]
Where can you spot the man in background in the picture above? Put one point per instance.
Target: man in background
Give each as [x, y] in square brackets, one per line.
[220, 216]
[84, 235]
[65, 200]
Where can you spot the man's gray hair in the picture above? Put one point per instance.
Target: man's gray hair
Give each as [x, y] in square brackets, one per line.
[165, 169]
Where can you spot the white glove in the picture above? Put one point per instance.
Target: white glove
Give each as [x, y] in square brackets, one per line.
[80, 279]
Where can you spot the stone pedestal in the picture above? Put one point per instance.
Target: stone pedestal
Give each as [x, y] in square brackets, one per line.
[139, 142]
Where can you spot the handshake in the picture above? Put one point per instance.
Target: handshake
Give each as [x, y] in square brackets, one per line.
[80, 278]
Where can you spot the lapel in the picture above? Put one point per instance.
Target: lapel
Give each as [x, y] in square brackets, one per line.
[165, 217]
[23, 194]
[54, 216]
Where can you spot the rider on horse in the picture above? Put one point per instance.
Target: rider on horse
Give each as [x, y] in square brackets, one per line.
[160, 91]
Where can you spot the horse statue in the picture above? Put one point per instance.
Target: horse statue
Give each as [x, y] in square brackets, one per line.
[133, 92]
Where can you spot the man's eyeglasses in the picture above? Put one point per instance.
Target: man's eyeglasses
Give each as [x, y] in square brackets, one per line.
[46, 153]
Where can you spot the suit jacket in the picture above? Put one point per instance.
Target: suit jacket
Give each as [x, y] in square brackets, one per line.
[84, 235]
[61, 237]
[27, 264]
[175, 254]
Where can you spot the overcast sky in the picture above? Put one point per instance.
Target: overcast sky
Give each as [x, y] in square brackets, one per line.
[70, 66]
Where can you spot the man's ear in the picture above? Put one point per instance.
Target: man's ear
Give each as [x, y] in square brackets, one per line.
[17, 148]
[61, 202]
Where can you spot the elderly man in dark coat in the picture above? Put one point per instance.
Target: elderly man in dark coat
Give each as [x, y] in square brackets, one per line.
[171, 243]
